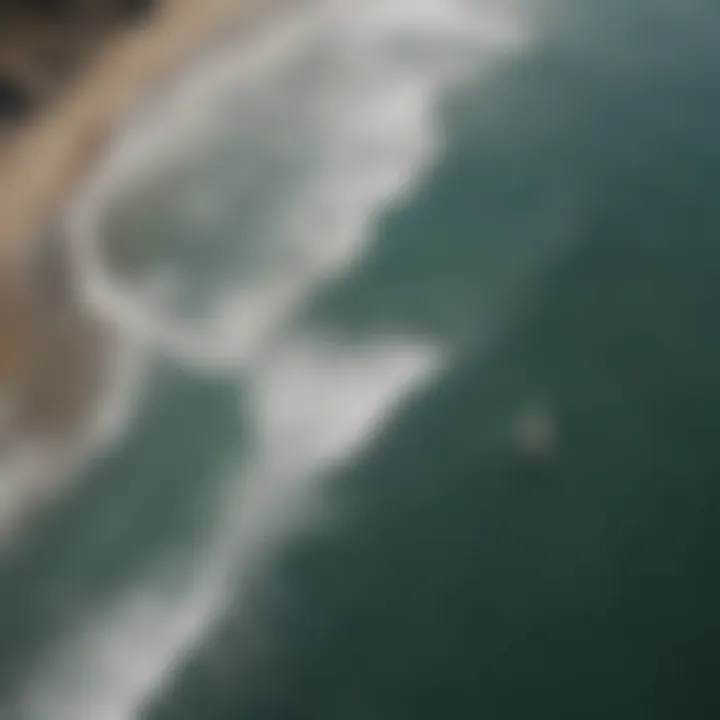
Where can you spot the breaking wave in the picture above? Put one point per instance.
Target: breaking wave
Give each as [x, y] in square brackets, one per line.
[249, 185]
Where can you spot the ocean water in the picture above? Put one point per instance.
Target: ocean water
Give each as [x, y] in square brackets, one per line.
[421, 415]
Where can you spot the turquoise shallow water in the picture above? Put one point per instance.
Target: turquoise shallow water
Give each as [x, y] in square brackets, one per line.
[333, 518]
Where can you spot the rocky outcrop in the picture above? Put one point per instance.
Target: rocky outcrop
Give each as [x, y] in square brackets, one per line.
[44, 43]
[66, 8]
[16, 101]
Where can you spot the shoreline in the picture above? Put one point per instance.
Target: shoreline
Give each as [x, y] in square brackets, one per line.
[43, 162]
[53, 355]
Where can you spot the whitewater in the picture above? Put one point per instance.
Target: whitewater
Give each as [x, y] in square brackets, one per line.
[271, 161]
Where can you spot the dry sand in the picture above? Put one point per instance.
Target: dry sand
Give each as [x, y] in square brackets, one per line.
[44, 161]
[53, 357]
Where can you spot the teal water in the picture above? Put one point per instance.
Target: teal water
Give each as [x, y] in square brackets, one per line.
[322, 508]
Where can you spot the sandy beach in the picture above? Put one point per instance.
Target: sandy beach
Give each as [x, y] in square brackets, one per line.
[54, 357]
[42, 163]
[39, 168]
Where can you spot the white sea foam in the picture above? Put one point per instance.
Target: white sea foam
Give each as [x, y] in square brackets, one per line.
[318, 404]
[364, 108]
[317, 401]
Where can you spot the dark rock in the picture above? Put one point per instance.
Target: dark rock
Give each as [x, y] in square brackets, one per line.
[15, 101]
[48, 7]
[138, 9]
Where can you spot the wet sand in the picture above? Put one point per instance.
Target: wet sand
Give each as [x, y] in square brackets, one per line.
[42, 163]
[54, 357]
[55, 391]
[39, 168]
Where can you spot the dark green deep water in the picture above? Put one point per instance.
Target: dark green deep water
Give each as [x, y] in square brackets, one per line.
[567, 246]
